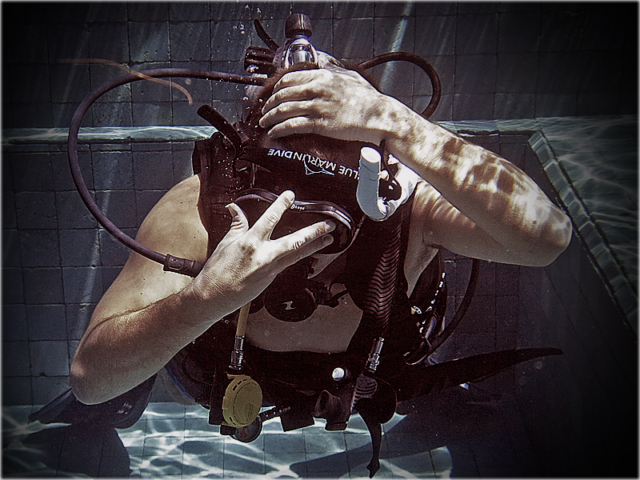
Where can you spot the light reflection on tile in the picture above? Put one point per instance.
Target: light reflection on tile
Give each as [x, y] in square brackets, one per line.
[151, 450]
[593, 163]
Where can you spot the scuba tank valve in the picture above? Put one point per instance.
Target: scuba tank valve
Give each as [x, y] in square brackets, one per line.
[297, 48]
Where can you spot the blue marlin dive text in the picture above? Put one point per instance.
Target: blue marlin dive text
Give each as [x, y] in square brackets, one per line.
[315, 165]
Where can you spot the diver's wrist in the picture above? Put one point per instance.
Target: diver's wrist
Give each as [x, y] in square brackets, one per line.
[404, 129]
[201, 309]
[382, 119]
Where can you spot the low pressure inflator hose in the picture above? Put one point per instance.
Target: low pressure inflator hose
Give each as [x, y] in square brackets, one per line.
[368, 191]
[243, 396]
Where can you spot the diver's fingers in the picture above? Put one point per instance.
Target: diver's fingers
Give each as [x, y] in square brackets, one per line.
[269, 219]
[299, 77]
[302, 243]
[239, 225]
[239, 222]
[290, 94]
[289, 110]
[308, 250]
[295, 125]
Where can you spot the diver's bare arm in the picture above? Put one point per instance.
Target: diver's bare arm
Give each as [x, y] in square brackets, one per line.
[121, 351]
[140, 321]
[148, 315]
[494, 194]
[499, 212]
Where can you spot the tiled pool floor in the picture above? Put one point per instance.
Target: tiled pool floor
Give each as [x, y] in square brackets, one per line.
[171, 440]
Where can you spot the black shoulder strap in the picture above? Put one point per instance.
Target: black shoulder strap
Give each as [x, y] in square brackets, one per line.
[220, 184]
[375, 277]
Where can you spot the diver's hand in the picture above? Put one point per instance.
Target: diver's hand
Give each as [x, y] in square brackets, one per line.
[336, 103]
[247, 260]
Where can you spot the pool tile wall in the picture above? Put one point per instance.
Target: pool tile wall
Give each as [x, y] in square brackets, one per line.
[57, 263]
[495, 60]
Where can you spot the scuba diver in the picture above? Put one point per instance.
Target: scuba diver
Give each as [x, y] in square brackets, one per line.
[316, 226]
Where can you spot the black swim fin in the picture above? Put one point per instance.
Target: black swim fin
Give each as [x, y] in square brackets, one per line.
[120, 412]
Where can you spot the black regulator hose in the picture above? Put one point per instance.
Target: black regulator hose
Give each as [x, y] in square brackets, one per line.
[171, 263]
[462, 309]
[419, 62]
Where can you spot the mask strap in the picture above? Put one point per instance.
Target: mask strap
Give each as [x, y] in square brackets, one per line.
[216, 119]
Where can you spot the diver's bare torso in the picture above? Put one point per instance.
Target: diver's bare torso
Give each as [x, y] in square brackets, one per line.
[328, 330]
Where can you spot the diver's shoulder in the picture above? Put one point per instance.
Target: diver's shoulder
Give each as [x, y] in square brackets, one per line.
[174, 222]
[189, 188]
[181, 199]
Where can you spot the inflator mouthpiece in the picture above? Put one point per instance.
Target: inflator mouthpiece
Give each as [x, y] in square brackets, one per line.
[368, 192]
